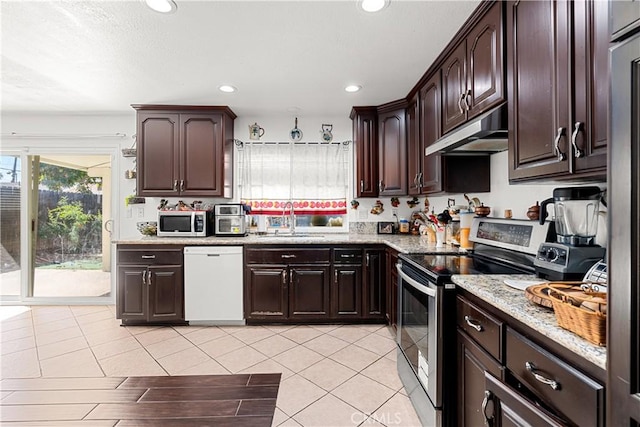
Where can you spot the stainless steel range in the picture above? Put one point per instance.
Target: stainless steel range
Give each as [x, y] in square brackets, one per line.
[426, 307]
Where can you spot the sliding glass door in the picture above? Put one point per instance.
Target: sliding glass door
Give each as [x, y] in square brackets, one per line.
[55, 246]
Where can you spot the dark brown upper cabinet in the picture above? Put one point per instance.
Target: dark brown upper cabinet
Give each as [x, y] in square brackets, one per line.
[557, 125]
[625, 17]
[392, 150]
[414, 148]
[473, 74]
[365, 135]
[184, 151]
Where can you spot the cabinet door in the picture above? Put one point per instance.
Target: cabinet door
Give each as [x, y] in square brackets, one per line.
[454, 89]
[392, 156]
[625, 17]
[430, 132]
[591, 93]
[374, 291]
[510, 408]
[266, 292]
[392, 287]
[309, 292]
[473, 362]
[201, 155]
[414, 148]
[346, 291]
[133, 293]
[365, 135]
[485, 68]
[166, 293]
[538, 62]
[158, 153]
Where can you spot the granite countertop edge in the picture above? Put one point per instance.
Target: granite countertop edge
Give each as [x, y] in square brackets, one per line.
[401, 243]
[491, 289]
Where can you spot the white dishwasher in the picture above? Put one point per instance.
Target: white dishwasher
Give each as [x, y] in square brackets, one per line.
[213, 285]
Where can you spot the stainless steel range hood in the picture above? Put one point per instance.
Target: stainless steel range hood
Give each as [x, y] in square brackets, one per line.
[486, 134]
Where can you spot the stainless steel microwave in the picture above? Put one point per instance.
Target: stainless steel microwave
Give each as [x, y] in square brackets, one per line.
[185, 223]
[230, 220]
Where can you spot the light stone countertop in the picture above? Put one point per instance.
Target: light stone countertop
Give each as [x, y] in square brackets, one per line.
[491, 289]
[401, 243]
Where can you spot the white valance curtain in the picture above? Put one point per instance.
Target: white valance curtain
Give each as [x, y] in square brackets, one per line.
[311, 175]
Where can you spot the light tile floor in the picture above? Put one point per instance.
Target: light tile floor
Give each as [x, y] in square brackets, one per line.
[331, 375]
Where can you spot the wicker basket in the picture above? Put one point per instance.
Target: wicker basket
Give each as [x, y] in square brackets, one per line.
[571, 313]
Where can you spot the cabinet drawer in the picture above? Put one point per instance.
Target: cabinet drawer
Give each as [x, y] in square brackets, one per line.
[287, 255]
[576, 396]
[169, 256]
[481, 326]
[347, 256]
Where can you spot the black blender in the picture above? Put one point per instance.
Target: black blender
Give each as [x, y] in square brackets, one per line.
[576, 223]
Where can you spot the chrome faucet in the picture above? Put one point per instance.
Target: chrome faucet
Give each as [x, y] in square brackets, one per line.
[292, 217]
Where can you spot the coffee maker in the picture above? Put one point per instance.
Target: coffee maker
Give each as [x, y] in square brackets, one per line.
[576, 223]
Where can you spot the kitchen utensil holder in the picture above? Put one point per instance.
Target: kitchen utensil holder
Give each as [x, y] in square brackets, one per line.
[567, 305]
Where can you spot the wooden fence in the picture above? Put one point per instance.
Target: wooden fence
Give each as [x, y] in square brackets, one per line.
[46, 248]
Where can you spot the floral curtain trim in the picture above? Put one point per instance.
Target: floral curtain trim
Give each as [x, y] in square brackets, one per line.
[301, 207]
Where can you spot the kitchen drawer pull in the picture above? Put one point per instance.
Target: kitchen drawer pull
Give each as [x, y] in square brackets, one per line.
[148, 257]
[574, 137]
[544, 380]
[288, 256]
[347, 256]
[485, 403]
[473, 323]
[556, 145]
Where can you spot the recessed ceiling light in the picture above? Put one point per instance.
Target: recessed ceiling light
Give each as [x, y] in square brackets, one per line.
[227, 88]
[352, 88]
[162, 6]
[373, 5]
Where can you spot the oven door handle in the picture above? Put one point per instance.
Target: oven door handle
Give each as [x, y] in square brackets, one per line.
[417, 285]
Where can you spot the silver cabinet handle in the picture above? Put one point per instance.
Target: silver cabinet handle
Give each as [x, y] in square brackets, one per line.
[336, 277]
[462, 96]
[182, 185]
[381, 185]
[420, 183]
[347, 256]
[144, 277]
[556, 146]
[148, 257]
[485, 403]
[284, 277]
[415, 180]
[175, 185]
[287, 256]
[577, 151]
[466, 103]
[367, 258]
[362, 185]
[473, 323]
[544, 380]
[149, 278]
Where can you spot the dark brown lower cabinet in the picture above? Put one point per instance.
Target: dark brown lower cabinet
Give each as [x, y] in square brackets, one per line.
[507, 379]
[309, 292]
[392, 287]
[504, 406]
[473, 362]
[266, 294]
[314, 284]
[374, 284]
[150, 285]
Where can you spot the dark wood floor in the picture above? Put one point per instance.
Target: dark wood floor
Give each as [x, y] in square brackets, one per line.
[198, 400]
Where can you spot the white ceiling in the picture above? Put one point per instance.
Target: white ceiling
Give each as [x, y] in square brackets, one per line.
[101, 56]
